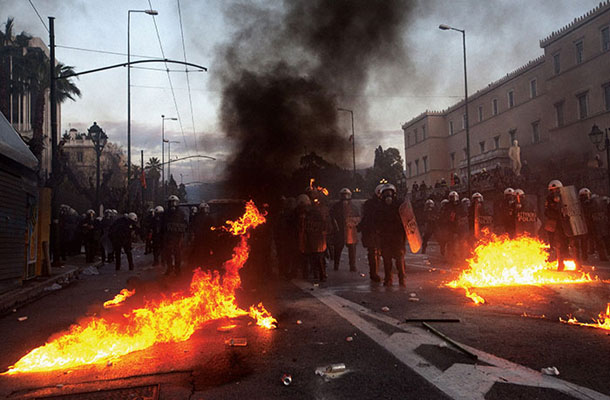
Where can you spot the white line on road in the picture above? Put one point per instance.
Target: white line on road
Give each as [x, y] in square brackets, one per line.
[460, 381]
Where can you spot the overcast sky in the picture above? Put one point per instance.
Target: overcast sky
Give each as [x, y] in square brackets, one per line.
[501, 36]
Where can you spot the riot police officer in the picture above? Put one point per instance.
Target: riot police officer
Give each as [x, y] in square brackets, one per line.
[88, 231]
[157, 235]
[174, 228]
[121, 233]
[345, 217]
[429, 223]
[392, 236]
[553, 224]
[596, 218]
[370, 240]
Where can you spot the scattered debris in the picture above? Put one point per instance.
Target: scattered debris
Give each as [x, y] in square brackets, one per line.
[349, 339]
[552, 371]
[449, 340]
[331, 371]
[237, 342]
[385, 309]
[442, 344]
[412, 294]
[413, 299]
[21, 319]
[106, 290]
[299, 322]
[226, 328]
[286, 379]
[316, 284]
[54, 286]
[432, 320]
[362, 275]
[90, 270]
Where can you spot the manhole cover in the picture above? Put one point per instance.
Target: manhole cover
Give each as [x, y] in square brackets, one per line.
[150, 392]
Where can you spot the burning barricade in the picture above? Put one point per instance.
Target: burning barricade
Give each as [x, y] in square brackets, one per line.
[175, 318]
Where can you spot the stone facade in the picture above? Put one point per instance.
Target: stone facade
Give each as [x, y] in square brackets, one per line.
[549, 105]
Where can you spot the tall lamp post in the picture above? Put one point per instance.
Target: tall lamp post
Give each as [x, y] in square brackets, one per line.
[353, 142]
[99, 138]
[149, 12]
[163, 119]
[169, 157]
[597, 136]
[466, 122]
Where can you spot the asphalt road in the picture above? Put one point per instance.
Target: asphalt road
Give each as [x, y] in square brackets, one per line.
[342, 321]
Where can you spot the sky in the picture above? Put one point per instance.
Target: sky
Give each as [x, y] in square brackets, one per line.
[501, 36]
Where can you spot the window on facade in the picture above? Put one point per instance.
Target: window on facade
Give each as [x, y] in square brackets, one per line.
[415, 135]
[425, 161]
[607, 96]
[511, 99]
[465, 153]
[494, 106]
[79, 156]
[416, 167]
[482, 147]
[535, 132]
[556, 63]
[579, 52]
[423, 132]
[409, 170]
[559, 113]
[450, 128]
[464, 121]
[408, 139]
[533, 88]
[606, 39]
[497, 142]
[452, 160]
[513, 135]
[480, 113]
[583, 111]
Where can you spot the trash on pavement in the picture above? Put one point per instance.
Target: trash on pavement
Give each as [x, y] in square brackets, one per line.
[412, 294]
[90, 270]
[286, 379]
[299, 322]
[361, 274]
[413, 299]
[236, 342]
[331, 371]
[106, 290]
[349, 339]
[552, 371]
[21, 319]
[384, 308]
[442, 344]
[54, 286]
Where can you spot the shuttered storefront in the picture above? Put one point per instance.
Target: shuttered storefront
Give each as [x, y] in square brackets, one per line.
[13, 225]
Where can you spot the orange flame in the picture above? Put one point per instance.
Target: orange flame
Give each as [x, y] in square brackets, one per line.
[320, 189]
[500, 261]
[174, 319]
[119, 298]
[602, 322]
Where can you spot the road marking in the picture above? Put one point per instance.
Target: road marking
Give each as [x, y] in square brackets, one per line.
[460, 381]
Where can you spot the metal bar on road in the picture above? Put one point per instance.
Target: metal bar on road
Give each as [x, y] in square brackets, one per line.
[432, 320]
[448, 339]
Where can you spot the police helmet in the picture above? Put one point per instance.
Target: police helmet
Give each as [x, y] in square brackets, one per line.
[345, 193]
[509, 191]
[132, 216]
[159, 210]
[585, 193]
[453, 196]
[173, 197]
[430, 202]
[477, 196]
[388, 186]
[555, 184]
[378, 190]
[519, 192]
[90, 212]
[203, 206]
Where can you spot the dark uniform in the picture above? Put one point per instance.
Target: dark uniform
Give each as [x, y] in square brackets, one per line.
[121, 233]
[345, 217]
[429, 221]
[88, 232]
[313, 225]
[157, 237]
[597, 227]
[554, 227]
[370, 239]
[174, 227]
[392, 240]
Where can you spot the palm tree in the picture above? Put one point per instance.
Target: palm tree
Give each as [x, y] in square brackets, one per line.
[12, 78]
[153, 167]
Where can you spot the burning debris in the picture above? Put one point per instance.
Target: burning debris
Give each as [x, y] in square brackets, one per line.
[172, 319]
[602, 322]
[500, 261]
[119, 298]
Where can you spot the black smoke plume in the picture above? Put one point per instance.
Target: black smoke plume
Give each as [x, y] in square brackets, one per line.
[285, 72]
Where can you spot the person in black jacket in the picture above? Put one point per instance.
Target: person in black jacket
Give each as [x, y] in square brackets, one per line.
[370, 239]
[157, 235]
[174, 228]
[87, 229]
[553, 224]
[121, 233]
[391, 233]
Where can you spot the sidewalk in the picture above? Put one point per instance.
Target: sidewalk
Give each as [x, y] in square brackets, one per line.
[40, 286]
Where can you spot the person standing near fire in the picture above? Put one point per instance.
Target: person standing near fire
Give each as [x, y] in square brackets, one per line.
[370, 239]
[174, 228]
[392, 238]
[553, 224]
[88, 231]
[121, 234]
[345, 218]
[429, 223]
[313, 225]
[594, 209]
[505, 217]
[157, 235]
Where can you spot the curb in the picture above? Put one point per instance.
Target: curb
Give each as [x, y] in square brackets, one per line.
[26, 295]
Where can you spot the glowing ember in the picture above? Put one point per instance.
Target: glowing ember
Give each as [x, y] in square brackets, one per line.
[119, 298]
[500, 261]
[174, 319]
[320, 189]
[602, 322]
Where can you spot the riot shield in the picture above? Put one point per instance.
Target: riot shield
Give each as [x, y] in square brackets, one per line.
[597, 217]
[527, 216]
[483, 219]
[462, 227]
[409, 223]
[573, 218]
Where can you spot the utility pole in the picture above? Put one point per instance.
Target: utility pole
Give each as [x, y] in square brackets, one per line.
[54, 153]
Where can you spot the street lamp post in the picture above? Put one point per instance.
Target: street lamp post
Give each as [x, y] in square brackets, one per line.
[99, 138]
[163, 119]
[353, 142]
[466, 122]
[149, 12]
[596, 136]
[169, 157]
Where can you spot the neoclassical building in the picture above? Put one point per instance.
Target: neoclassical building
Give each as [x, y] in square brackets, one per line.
[549, 105]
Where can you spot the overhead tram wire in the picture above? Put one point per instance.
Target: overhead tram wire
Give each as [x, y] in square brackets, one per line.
[169, 78]
[188, 85]
[39, 17]
[115, 53]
